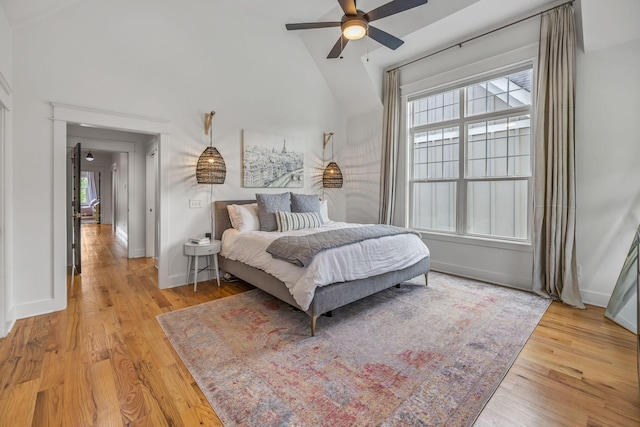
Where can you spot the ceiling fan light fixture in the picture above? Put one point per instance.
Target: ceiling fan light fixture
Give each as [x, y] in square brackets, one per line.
[355, 28]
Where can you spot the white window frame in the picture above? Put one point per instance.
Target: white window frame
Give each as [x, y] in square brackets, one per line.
[461, 181]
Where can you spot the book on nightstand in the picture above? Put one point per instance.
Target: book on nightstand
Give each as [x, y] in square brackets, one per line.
[200, 240]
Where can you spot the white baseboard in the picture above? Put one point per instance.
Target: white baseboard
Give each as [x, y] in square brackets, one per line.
[595, 298]
[10, 321]
[176, 280]
[511, 281]
[181, 279]
[138, 253]
[35, 308]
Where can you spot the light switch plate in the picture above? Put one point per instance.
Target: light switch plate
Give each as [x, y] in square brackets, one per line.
[195, 203]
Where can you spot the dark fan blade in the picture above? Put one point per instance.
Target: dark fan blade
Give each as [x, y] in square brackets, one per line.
[392, 8]
[309, 25]
[338, 47]
[348, 6]
[382, 37]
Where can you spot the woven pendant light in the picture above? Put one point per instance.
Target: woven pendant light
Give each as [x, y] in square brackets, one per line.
[211, 168]
[332, 175]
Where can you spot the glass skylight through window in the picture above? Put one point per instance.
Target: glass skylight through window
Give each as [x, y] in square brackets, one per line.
[498, 94]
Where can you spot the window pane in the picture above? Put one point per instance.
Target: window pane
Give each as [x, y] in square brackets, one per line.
[477, 150]
[477, 168]
[502, 145]
[434, 206]
[498, 94]
[435, 108]
[497, 208]
[438, 149]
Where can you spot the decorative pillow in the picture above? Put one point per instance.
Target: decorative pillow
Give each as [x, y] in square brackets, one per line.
[305, 203]
[244, 217]
[288, 221]
[324, 212]
[268, 205]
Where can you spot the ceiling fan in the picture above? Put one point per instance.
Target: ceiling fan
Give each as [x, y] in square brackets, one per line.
[355, 24]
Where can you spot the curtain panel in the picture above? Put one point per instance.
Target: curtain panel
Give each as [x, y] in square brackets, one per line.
[390, 136]
[554, 269]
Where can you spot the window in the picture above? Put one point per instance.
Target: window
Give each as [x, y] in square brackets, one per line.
[84, 183]
[470, 149]
[88, 188]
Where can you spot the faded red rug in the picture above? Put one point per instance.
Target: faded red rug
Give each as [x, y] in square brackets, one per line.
[413, 355]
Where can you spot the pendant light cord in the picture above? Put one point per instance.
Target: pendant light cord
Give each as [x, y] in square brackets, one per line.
[211, 185]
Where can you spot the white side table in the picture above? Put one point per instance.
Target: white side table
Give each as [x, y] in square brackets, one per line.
[193, 250]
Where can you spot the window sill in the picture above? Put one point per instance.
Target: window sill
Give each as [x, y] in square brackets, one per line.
[522, 246]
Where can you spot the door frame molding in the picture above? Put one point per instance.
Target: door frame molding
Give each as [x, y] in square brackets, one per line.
[64, 114]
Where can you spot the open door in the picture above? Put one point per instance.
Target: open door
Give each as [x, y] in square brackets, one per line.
[151, 214]
[76, 212]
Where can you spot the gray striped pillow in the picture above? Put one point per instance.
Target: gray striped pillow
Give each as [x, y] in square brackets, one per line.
[288, 221]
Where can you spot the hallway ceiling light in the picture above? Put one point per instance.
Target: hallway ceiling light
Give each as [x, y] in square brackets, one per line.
[90, 157]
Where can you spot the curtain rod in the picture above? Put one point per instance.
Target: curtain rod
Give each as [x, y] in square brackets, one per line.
[459, 44]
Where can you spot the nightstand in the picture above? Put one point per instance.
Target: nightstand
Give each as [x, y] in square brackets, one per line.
[193, 250]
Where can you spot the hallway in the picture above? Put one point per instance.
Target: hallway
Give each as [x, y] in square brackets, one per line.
[104, 360]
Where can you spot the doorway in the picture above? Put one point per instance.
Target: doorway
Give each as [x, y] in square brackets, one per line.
[120, 200]
[105, 120]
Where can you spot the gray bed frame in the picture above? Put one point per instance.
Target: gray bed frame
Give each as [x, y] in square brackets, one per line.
[326, 298]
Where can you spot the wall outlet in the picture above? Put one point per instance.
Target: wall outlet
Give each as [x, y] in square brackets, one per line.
[579, 270]
[195, 203]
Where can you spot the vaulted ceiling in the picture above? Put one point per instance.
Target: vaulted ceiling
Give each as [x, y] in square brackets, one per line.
[357, 77]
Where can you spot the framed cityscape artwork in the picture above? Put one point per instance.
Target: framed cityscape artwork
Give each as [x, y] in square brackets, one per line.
[271, 160]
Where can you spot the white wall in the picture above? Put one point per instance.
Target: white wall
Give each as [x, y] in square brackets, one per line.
[6, 38]
[167, 59]
[7, 312]
[608, 172]
[361, 166]
[121, 164]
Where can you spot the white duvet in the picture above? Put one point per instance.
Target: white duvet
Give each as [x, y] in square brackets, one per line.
[351, 262]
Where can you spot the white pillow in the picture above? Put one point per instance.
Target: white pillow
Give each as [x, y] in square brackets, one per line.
[289, 221]
[324, 212]
[244, 217]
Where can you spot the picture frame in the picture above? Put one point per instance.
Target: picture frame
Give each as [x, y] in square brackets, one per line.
[271, 161]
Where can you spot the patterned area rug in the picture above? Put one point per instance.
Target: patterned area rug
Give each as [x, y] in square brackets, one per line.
[412, 355]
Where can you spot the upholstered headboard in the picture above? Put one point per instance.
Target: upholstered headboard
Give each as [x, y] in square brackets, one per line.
[221, 213]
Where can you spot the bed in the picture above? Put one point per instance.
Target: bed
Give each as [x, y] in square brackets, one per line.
[325, 298]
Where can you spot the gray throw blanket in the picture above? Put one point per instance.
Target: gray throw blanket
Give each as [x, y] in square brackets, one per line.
[300, 250]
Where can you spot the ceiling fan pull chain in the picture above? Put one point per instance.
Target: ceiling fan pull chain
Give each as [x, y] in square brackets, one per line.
[368, 44]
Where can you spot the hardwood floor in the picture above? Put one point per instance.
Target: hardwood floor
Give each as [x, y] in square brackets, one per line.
[105, 361]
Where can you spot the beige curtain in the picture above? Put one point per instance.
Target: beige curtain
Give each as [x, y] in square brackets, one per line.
[554, 267]
[390, 135]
